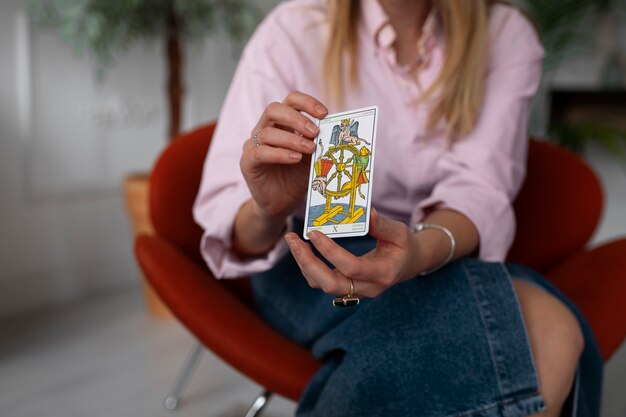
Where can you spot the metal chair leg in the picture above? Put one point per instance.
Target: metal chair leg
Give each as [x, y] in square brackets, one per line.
[259, 404]
[172, 400]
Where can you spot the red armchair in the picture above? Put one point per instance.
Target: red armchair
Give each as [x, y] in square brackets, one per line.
[557, 209]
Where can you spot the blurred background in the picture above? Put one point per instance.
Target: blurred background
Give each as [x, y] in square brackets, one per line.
[89, 93]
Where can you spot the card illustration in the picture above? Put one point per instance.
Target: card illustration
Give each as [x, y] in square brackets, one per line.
[339, 195]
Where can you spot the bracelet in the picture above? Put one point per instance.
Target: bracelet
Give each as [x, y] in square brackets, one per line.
[421, 226]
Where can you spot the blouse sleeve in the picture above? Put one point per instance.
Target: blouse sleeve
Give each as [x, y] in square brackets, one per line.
[482, 172]
[258, 81]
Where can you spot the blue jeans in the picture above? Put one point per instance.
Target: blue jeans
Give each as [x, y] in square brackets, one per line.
[452, 343]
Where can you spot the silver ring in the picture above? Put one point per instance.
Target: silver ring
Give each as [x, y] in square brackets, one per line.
[255, 139]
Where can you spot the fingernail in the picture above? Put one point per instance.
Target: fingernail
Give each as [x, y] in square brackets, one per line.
[313, 236]
[295, 155]
[291, 242]
[321, 109]
[308, 145]
[311, 127]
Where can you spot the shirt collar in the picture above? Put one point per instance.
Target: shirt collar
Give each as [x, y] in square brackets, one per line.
[377, 23]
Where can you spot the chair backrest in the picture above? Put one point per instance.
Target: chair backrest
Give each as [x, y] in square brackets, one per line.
[174, 183]
[557, 209]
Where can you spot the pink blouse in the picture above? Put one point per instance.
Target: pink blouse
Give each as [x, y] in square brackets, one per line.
[478, 176]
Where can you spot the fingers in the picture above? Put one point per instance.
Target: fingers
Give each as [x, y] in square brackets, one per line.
[264, 154]
[388, 230]
[286, 116]
[279, 138]
[362, 288]
[304, 102]
[347, 263]
[368, 282]
[316, 272]
[283, 134]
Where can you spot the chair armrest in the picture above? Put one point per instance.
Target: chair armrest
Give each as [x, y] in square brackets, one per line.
[595, 280]
[222, 322]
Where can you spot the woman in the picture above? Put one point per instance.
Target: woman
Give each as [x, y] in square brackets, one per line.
[452, 80]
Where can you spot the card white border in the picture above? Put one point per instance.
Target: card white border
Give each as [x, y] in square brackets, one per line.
[369, 194]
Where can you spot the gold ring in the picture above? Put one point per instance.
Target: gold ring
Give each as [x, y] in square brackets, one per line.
[347, 300]
[255, 138]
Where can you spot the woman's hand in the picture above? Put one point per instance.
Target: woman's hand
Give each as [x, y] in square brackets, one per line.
[397, 257]
[277, 171]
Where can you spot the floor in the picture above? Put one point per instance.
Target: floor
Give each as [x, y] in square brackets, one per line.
[106, 358]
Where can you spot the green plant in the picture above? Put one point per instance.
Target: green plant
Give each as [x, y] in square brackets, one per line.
[557, 21]
[106, 28]
[576, 136]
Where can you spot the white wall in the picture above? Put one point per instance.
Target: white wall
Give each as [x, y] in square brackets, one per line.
[67, 140]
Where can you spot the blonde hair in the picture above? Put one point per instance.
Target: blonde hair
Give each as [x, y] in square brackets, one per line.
[462, 78]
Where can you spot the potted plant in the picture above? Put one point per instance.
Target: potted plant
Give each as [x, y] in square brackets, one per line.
[105, 29]
[558, 21]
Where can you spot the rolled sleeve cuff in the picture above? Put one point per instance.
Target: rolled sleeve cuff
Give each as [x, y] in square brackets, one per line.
[216, 242]
[491, 214]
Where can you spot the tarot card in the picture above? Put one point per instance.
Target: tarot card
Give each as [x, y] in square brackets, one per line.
[340, 189]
